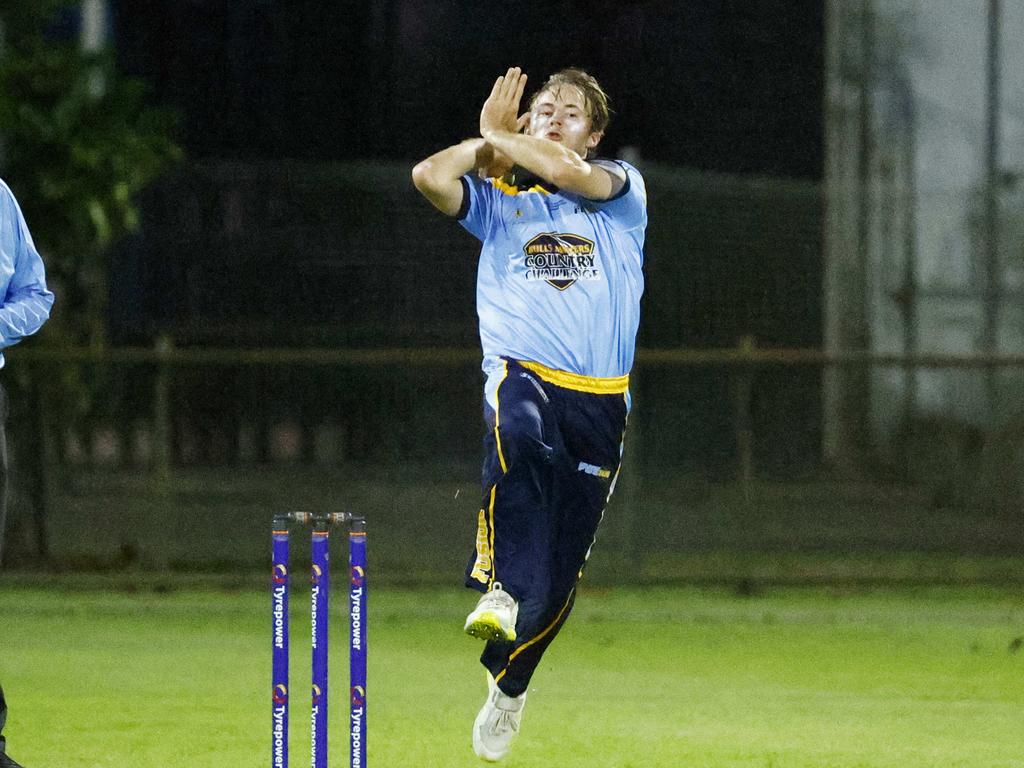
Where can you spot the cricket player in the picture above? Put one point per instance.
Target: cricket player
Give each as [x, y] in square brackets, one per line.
[558, 299]
[24, 308]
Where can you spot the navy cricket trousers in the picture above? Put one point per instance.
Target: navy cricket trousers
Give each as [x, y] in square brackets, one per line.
[552, 454]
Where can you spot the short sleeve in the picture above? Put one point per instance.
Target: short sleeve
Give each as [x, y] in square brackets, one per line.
[629, 205]
[478, 206]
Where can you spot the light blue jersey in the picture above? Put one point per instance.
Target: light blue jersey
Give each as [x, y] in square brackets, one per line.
[560, 276]
[24, 299]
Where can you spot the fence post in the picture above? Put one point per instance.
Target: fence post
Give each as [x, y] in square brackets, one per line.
[741, 407]
[162, 410]
[35, 460]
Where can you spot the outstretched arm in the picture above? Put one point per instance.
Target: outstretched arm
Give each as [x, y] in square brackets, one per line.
[438, 177]
[559, 165]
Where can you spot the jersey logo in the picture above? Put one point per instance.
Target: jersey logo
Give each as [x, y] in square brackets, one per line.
[560, 259]
[593, 469]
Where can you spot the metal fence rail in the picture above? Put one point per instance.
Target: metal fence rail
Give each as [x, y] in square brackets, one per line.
[744, 353]
[740, 363]
[723, 414]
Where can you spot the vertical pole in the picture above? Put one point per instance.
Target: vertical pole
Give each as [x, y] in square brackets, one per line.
[358, 592]
[162, 411]
[742, 390]
[859, 380]
[909, 292]
[279, 579]
[93, 37]
[993, 277]
[93, 34]
[320, 580]
[37, 468]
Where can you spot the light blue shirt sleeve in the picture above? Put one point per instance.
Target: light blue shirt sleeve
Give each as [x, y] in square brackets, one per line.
[26, 301]
[629, 204]
[478, 202]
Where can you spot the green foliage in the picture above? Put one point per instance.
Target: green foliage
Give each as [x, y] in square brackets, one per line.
[23, 20]
[80, 142]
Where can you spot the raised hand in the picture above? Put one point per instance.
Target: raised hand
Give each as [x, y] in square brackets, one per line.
[501, 110]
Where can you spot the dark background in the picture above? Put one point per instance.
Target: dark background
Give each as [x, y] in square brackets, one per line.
[295, 224]
[734, 85]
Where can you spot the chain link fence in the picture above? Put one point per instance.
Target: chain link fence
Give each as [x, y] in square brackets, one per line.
[193, 451]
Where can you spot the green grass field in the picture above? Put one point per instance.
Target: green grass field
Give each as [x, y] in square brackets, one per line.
[787, 678]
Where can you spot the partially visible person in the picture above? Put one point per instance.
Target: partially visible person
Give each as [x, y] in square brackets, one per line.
[6, 761]
[24, 307]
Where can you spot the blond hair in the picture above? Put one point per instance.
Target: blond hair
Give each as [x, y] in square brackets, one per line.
[595, 100]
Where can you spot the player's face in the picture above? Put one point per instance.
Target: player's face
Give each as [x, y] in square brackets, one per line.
[560, 115]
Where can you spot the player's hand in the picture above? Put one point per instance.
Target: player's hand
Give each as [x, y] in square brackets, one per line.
[501, 110]
[491, 163]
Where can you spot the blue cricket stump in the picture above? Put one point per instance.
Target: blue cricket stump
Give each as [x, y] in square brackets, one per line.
[279, 579]
[319, 635]
[357, 595]
[320, 581]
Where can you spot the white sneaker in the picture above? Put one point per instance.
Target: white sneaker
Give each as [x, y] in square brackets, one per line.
[497, 725]
[494, 617]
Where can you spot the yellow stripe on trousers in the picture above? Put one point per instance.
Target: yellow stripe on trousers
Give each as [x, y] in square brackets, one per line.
[497, 416]
[490, 510]
[539, 637]
[504, 469]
